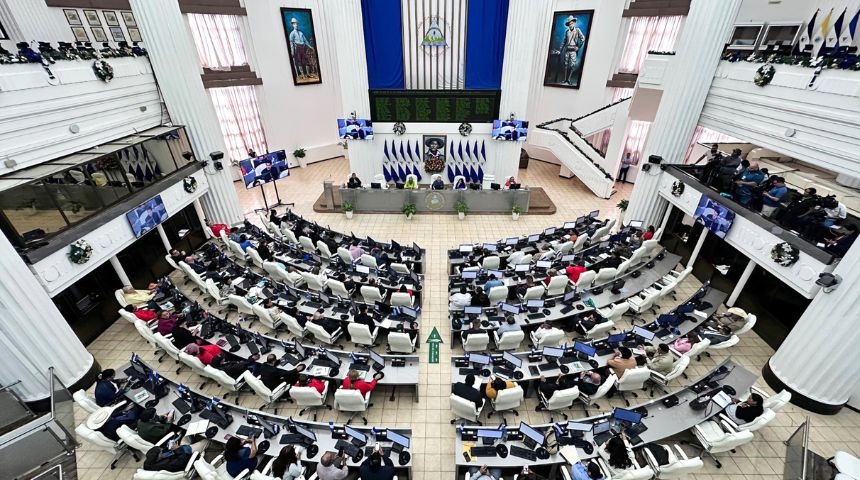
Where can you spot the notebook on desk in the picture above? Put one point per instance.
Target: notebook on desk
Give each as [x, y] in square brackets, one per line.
[570, 454]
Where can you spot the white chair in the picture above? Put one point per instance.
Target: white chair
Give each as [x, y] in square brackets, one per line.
[370, 294]
[400, 268]
[227, 382]
[718, 437]
[585, 279]
[748, 324]
[521, 260]
[774, 402]
[237, 251]
[322, 335]
[560, 399]
[255, 257]
[402, 299]
[85, 401]
[120, 298]
[514, 257]
[696, 350]
[350, 400]
[661, 381]
[507, 400]
[476, 342]
[599, 330]
[294, 326]
[266, 318]
[268, 395]
[215, 294]
[633, 472]
[166, 345]
[307, 244]
[491, 262]
[337, 288]
[580, 242]
[509, 340]
[498, 294]
[633, 379]
[591, 400]
[644, 301]
[133, 440]
[196, 366]
[344, 255]
[400, 342]
[217, 470]
[549, 339]
[652, 247]
[98, 440]
[310, 398]
[128, 315]
[600, 233]
[756, 424]
[380, 179]
[361, 334]
[565, 247]
[623, 267]
[457, 179]
[141, 474]
[314, 282]
[678, 466]
[731, 342]
[604, 275]
[369, 261]
[557, 285]
[465, 409]
[170, 262]
[533, 293]
[242, 305]
[847, 465]
[288, 234]
[324, 250]
[614, 312]
[146, 332]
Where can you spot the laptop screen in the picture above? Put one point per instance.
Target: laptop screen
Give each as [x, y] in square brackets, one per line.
[472, 310]
[397, 438]
[512, 240]
[552, 352]
[523, 267]
[643, 333]
[492, 247]
[510, 308]
[544, 264]
[578, 427]
[585, 349]
[601, 427]
[513, 359]
[594, 213]
[533, 238]
[355, 434]
[616, 338]
[469, 275]
[377, 357]
[486, 433]
[306, 433]
[479, 359]
[549, 231]
[569, 225]
[465, 249]
[530, 432]
[635, 224]
[362, 269]
[535, 303]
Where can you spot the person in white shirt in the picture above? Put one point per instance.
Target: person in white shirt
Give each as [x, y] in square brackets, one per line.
[460, 300]
[509, 325]
[295, 277]
[544, 330]
[835, 214]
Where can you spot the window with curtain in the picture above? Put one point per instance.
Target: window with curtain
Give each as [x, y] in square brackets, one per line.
[219, 40]
[637, 135]
[239, 117]
[707, 136]
[648, 34]
[619, 93]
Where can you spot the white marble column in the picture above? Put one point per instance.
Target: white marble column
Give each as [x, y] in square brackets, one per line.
[26, 20]
[742, 282]
[120, 272]
[818, 360]
[705, 31]
[164, 240]
[177, 68]
[662, 229]
[198, 208]
[519, 75]
[701, 241]
[33, 333]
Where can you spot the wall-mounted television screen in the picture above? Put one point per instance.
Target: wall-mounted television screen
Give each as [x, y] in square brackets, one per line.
[355, 129]
[510, 130]
[264, 169]
[146, 216]
[715, 217]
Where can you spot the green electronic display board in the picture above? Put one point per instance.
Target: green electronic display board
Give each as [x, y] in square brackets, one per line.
[442, 106]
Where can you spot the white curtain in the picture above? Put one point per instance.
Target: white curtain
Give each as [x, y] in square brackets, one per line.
[239, 117]
[619, 93]
[637, 135]
[648, 34]
[218, 39]
[708, 136]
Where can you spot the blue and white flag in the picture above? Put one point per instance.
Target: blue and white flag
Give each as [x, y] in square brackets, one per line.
[850, 31]
[483, 152]
[806, 36]
[836, 32]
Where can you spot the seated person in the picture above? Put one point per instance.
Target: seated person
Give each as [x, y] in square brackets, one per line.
[108, 390]
[264, 252]
[238, 456]
[746, 411]
[649, 233]
[490, 283]
[177, 255]
[144, 314]
[411, 183]
[377, 467]
[306, 381]
[544, 330]
[616, 454]
[484, 472]
[328, 324]
[509, 325]
[403, 289]
[166, 322]
[245, 242]
[355, 250]
[362, 318]
[473, 328]
[182, 337]
[734, 318]
[510, 181]
[722, 334]
[842, 242]
[494, 386]
[137, 298]
[332, 467]
[346, 281]
[523, 288]
[272, 376]
[589, 471]
[295, 278]
[460, 300]
[614, 260]
[479, 298]
[354, 382]
[108, 420]
[353, 182]
[205, 353]
[659, 359]
[152, 427]
[234, 368]
[563, 382]
[170, 457]
[193, 264]
[622, 361]
[438, 184]
[589, 382]
[217, 228]
[287, 465]
[684, 344]
[582, 324]
[467, 391]
[574, 271]
[274, 218]
[460, 185]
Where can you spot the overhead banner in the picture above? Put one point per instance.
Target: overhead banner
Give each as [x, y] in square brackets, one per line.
[435, 106]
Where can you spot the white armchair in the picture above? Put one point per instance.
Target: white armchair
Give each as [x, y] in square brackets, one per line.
[370, 294]
[548, 339]
[591, 400]
[599, 330]
[86, 402]
[718, 437]
[585, 279]
[678, 466]
[476, 342]
[310, 398]
[465, 409]
[509, 340]
[324, 250]
[344, 255]
[217, 470]
[352, 401]
[361, 334]
[556, 286]
[133, 440]
[337, 288]
[242, 305]
[758, 423]
[255, 257]
[402, 299]
[661, 381]
[507, 400]
[605, 275]
[498, 294]
[614, 312]
[560, 399]
[227, 382]
[268, 395]
[491, 262]
[400, 342]
[633, 379]
[307, 244]
[322, 335]
[98, 440]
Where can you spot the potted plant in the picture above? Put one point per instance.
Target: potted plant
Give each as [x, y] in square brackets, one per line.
[461, 208]
[348, 208]
[516, 210]
[300, 153]
[409, 210]
[622, 205]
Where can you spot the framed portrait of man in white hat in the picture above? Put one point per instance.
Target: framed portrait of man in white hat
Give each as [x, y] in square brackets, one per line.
[568, 44]
[301, 45]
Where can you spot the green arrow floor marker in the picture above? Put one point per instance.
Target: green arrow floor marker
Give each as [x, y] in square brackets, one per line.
[434, 340]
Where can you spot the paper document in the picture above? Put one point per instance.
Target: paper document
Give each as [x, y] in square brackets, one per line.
[197, 427]
[722, 399]
[570, 454]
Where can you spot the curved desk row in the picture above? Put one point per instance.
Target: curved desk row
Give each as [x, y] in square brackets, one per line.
[324, 433]
[392, 200]
[661, 421]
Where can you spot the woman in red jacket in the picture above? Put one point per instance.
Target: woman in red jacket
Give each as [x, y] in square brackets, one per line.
[649, 233]
[306, 381]
[353, 382]
[203, 352]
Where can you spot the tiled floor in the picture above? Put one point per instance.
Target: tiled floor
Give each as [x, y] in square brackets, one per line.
[433, 436]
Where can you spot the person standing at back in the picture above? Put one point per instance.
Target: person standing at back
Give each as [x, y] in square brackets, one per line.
[626, 162]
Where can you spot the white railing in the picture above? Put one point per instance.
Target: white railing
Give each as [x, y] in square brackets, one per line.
[575, 154]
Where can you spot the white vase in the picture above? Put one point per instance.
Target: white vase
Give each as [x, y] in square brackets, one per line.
[348, 214]
[409, 216]
[461, 215]
[515, 216]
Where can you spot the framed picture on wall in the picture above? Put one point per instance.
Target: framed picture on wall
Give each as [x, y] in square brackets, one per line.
[110, 18]
[99, 34]
[434, 153]
[72, 16]
[92, 17]
[301, 45]
[128, 18]
[80, 34]
[569, 35]
[134, 35]
[116, 33]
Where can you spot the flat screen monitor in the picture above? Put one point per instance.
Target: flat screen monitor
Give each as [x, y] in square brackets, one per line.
[569, 225]
[715, 217]
[376, 358]
[362, 269]
[264, 169]
[300, 349]
[552, 352]
[512, 240]
[601, 427]
[355, 128]
[580, 220]
[409, 312]
[625, 415]
[549, 231]
[512, 359]
[146, 216]
[603, 245]
[584, 349]
[492, 247]
[530, 432]
[416, 248]
[397, 438]
[569, 296]
[332, 357]
[643, 333]
[579, 427]
[616, 338]
[487, 433]
[355, 434]
[465, 249]
[523, 267]
[568, 258]
[497, 273]
[510, 130]
[508, 308]
[637, 224]
[533, 238]
[479, 358]
[310, 435]
[535, 303]
[415, 278]
[594, 213]
[325, 299]
[469, 275]
[543, 264]
[472, 310]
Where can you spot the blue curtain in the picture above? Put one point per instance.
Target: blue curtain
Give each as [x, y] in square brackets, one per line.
[485, 43]
[383, 43]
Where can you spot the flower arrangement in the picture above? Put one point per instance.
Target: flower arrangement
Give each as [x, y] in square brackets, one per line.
[189, 183]
[103, 70]
[764, 75]
[838, 62]
[399, 128]
[80, 252]
[785, 254]
[678, 188]
[434, 165]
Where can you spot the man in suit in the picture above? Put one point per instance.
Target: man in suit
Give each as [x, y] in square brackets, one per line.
[466, 390]
[272, 376]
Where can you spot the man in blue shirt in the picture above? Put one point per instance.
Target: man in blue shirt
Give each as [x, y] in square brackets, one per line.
[772, 198]
[492, 282]
[244, 242]
[580, 472]
[750, 178]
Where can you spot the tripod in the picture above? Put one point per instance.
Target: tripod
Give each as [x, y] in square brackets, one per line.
[278, 202]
